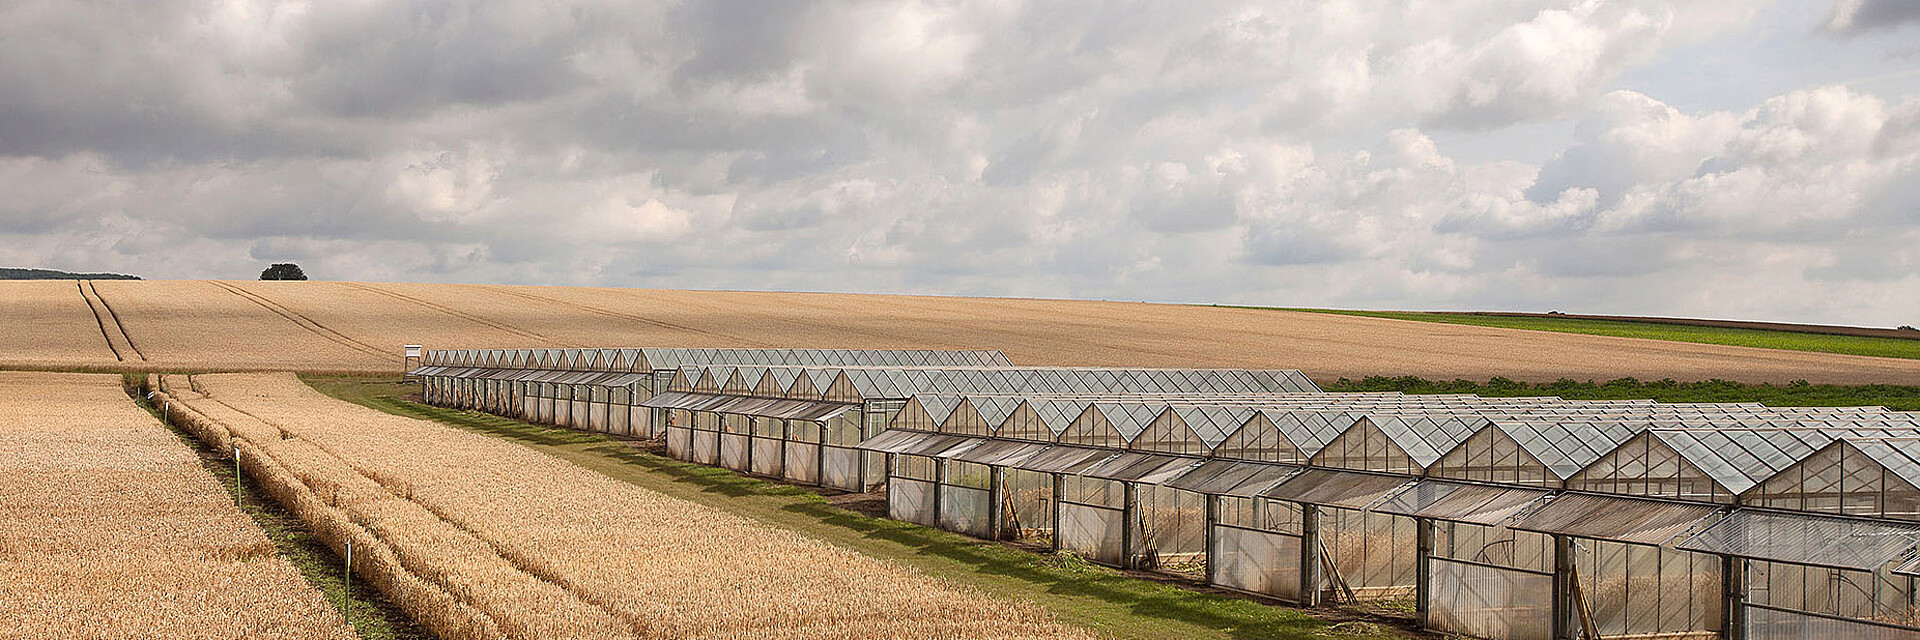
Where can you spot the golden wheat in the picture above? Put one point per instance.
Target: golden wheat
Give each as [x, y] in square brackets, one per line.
[109, 528]
[529, 545]
[342, 326]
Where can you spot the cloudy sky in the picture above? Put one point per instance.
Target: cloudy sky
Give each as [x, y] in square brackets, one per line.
[1726, 159]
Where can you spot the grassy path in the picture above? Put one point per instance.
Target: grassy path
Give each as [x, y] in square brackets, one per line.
[1787, 340]
[1080, 594]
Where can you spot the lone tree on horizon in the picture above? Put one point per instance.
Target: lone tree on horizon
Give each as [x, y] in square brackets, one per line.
[283, 271]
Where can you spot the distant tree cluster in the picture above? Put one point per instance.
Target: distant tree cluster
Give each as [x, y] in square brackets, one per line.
[283, 271]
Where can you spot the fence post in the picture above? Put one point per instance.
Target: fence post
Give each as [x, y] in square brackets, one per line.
[1309, 555]
[346, 587]
[237, 495]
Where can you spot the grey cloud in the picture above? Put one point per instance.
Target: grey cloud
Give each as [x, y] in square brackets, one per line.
[1858, 16]
[1201, 151]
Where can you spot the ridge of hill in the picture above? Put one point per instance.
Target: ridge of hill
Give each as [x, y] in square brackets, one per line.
[18, 273]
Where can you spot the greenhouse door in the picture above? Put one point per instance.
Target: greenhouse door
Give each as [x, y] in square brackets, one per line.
[1485, 601]
[1255, 561]
[1769, 623]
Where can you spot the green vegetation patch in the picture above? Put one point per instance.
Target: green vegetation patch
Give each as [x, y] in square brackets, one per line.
[1765, 339]
[1112, 603]
[1794, 394]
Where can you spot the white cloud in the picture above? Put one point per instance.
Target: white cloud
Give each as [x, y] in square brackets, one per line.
[1277, 152]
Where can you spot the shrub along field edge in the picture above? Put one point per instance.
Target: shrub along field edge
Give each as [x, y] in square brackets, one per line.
[1794, 394]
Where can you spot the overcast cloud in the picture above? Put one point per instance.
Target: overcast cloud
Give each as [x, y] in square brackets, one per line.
[1709, 158]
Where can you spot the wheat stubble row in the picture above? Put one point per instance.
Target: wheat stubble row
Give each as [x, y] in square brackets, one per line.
[110, 528]
[482, 538]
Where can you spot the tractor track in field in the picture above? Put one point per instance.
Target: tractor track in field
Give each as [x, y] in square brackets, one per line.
[303, 321]
[103, 314]
[115, 316]
[625, 316]
[524, 333]
[104, 336]
[520, 564]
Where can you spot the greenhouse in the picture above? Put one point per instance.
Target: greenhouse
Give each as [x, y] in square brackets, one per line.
[717, 414]
[1469, 517]
[1489, 517]
[554, 386]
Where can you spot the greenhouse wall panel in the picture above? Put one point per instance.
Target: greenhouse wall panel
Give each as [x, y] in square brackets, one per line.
[801, 463]
[767, 456]
[1765, 623]
[679, 443]
[966, 510]
[733, 451]
[841, 469]
[1490, 602]
[911, 501]
[1264, 562]
[1092, 532]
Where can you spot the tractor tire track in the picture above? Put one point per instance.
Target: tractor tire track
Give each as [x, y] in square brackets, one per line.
[303, 321]
[624, 316]
[104, 335]
[115, 316]
[524, 333]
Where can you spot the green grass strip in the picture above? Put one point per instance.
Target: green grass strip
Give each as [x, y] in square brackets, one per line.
[1093, 597]
[1765, 339]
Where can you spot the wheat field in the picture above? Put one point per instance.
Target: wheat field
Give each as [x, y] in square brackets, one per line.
[480, 538]
[204, 325]
[110, 528]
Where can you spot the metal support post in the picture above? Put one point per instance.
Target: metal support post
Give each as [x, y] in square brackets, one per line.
[996, 494]
[1423, 570]
[1213, 538]
[1309, 555]
[1564, 625]
[1129, 526]
[1059, 489]
[1733, 573]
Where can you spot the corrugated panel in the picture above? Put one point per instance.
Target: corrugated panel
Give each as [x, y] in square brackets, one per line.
[1460, 502]
[896, 441]
[1223, 477]
[1806, 539]
[1614, 518]
[1133, 466]
[1335, 488]
[1061, 459]
[1000, 453]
